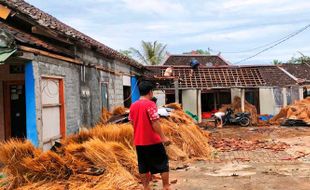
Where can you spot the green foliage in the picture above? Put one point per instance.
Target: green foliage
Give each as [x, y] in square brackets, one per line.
[152, 52]
[202, 52]
[127, 53]
[276, 62]
[299, 60]
[198, 51]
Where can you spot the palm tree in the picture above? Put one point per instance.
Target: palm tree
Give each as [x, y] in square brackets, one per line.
[276, 62]
[152, 52]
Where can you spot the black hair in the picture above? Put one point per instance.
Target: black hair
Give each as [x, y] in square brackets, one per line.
[145, 87]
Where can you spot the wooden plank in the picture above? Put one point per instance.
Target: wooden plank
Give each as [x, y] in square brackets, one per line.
[62, 108]
[48, 54]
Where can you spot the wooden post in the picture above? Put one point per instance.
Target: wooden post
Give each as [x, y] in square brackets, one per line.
[242, 99]
[176, 90]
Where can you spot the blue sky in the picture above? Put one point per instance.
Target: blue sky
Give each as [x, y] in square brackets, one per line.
[184, 25]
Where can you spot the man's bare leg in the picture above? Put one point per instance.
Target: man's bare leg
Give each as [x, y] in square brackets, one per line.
[165, 179]
[145, 179]
[221, 124]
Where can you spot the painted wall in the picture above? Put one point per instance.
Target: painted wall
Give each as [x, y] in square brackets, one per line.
[135, 94]
[161, 97]
[31, 116]
[301, 93]
[191, 101]
[267, 102]
[235, 92]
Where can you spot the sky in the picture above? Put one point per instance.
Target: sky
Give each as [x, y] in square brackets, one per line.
[233, 27]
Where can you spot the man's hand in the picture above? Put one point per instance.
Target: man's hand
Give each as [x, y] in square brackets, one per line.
[166, 141]
[158, 130]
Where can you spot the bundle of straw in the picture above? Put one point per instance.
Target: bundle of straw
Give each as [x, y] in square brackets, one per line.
[47, 166]
[105, 115]
[120, 110]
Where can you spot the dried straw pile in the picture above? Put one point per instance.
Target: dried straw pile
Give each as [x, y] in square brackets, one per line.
[99, 158]
[236, 106]
[299, 110]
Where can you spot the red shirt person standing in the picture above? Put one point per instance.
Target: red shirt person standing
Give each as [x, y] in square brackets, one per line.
[148, 137]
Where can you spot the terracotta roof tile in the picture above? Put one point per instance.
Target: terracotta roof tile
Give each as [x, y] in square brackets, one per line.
[301, 71]
[204, 60]
[24, 38]
[51, 22]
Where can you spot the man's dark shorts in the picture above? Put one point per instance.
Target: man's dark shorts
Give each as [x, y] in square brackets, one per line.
[152, 158]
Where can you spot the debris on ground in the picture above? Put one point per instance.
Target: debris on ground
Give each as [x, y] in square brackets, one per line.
[300, 110]
[232, 144]
[236, 106]
[102, 157]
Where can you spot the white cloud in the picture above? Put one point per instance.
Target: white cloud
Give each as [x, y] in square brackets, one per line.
[228, 25]
[161, 7]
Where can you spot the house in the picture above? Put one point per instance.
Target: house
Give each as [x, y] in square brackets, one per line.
[269, 88]
[55, 79]
[204, 60]
[300, 73]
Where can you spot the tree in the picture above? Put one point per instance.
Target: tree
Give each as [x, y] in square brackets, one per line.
[198, 52]
[202, 52]
[127, 53]
[299, 60]
[152, 52]
[276, 62]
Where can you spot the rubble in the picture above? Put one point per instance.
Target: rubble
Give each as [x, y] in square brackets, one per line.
[232, 144]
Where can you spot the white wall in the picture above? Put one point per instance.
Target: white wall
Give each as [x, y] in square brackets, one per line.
[235, 92]
[301, 93]
[161, 97]
[267, 102]
[191, 101]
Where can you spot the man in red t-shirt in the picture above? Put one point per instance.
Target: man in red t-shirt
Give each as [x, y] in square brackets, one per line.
[148, 137]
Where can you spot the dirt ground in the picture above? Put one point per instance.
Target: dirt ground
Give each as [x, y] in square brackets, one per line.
[259, 169]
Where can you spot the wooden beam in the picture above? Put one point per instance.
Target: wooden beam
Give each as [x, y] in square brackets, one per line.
[48, 54]
[4, 12]
[48, 33]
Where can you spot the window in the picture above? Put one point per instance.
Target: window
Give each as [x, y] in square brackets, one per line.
[104, 96]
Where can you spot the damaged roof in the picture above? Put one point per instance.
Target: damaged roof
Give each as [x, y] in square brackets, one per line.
[300, 71]
[24, 38]
[223, 77]
[50, 22]
[204, 60]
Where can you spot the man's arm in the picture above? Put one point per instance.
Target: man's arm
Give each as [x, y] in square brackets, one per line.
[157, 128]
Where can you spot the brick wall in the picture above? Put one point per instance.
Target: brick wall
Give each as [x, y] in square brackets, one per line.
[71, 76]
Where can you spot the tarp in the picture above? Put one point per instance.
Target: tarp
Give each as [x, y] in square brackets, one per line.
[5, 55]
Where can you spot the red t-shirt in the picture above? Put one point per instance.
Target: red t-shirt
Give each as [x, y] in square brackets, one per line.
[142, 113]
